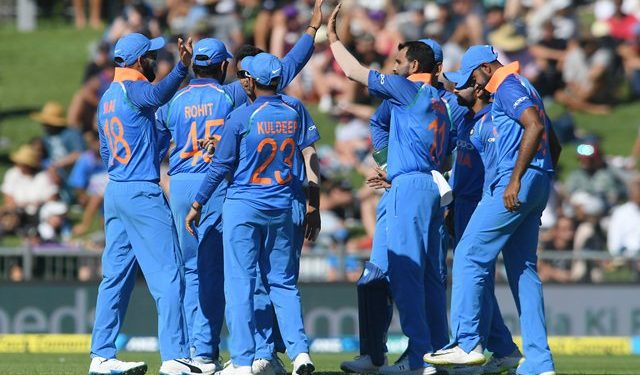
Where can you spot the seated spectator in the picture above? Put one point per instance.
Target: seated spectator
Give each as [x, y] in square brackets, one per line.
[54, 227]
[352, 140]
[588, 211]
[84, 104]
[549, 53]
[594, 176]
[137, 17]
[561, 239]
[25, 188]
[622, 25]
[587, 73]
[629, 52]
[88, 164]
[624, 227]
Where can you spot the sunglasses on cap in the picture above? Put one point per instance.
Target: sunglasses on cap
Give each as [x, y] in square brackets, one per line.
[243, 74]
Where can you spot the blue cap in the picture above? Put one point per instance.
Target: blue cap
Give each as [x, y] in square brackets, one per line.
[471, 60]
[214, 51]
[437, 49]
[132, 46]
[457, 78]
[263, 67]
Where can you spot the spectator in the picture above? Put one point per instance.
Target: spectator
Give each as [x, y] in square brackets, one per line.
[54, 227]
[624, 233]
[83, 106]
[589, 236]
[95, 7]
[549, 54]
[561, 240]
[594, 176]
[622, 25]
[88, 164]
[25, 188]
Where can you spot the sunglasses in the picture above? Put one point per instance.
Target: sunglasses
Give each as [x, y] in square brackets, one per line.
[243, 74]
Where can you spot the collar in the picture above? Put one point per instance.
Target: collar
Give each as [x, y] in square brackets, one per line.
[128, 74]
[482, 112]
[420, 77]
[204, 81]
[501, 74]
[263, 99]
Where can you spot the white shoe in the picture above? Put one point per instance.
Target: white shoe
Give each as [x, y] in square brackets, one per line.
[231, 369]
[498, 365]
[278, 366]
[401, 367]
[302, 365]
[100, 366]
[262, 367]
[186, 366]
[361, 364]
[208, 361]
[456, 356]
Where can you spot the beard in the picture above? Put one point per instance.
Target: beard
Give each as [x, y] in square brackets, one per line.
[149, 70]
[466, 103]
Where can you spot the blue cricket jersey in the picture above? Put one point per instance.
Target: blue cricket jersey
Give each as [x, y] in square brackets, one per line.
[483, 139]
[468, 171]
[419, 131]
[259, 143]
[129, 143]
[512, 95]
[457, 113]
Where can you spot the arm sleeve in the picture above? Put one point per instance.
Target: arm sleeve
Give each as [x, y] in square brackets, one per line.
[308, 131]
[145, 95]
[514, 98]
[223, 161]
[163, 131]
[104, 145]
[295, 60]
[380, 124]
[393, 87]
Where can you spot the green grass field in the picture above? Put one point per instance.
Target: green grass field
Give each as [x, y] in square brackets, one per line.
[55, 364]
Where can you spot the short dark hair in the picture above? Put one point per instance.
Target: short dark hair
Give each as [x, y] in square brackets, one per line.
[246, 50]
[272, 86]
[421, 53]
[211, 71]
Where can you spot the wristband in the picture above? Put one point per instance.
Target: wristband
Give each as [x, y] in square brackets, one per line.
[313, 27]
[193, 205]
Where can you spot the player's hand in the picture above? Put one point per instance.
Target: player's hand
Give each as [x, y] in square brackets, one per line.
[311, 224]
[210, 143]
[316, 16]
[510, 197]
[332, 34]
[449, 223]
[193, 218]
[378, 180]
[186, 51]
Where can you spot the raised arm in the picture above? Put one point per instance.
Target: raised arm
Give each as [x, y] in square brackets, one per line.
[349, 64]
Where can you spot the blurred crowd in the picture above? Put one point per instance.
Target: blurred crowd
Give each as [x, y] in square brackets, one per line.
[583, 55]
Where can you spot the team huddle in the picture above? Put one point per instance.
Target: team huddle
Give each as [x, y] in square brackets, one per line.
[244, 196]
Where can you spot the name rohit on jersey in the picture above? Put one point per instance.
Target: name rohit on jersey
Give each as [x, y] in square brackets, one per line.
[277, 127]
[199, 110]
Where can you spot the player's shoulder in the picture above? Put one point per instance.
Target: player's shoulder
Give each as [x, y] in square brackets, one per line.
[290, 100]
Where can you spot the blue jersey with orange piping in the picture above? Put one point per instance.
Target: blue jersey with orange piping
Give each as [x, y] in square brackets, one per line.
[126, 123]
[468, 171]
[419, 132]
[513, 94]
[195, 112]
[483, 138]
[258, 146]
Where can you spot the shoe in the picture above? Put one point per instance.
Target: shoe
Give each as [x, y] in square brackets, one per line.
[231, 369]
[459, 370]
[208, 361]
[262, 367]
[100, 366]
[498, 365]
[361, 364]
[278, 366]
[186, 366]
[302, 365]
[401, 367]
[456, 356]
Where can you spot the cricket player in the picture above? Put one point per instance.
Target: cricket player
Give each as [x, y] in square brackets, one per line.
[197, 112]
[258, 145]
[375, 304]
[474, 172]
[417, 144]
[526, 155]
[138, 225]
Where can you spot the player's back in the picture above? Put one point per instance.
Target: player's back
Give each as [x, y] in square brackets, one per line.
[269, 143]
[513, 95]
[419, 134]
[483, 139]
[128, 140]
[195, 112]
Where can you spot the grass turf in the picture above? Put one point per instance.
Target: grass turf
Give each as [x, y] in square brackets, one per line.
[41, 364]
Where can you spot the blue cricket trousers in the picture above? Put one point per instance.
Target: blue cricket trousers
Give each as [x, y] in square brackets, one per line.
[203, 264]
[255, 237]
[491, 229]
[139, 230]
[495, 335]
[413, 239]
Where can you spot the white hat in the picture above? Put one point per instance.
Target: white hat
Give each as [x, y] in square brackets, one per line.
[50, 209]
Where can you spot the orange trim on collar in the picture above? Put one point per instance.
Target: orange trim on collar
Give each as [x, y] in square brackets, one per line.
[128, 74]
[501, 74]
[420, 77]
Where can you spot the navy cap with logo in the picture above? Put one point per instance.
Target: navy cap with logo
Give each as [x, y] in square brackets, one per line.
[133, 46]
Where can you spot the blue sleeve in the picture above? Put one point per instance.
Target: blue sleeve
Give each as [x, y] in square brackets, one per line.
[295, 60]
[146, 95]
[236, 92]
[223, 160]
[307, 128]
[392, 87]
[514, 98]
[380, 124]
[104, 144]
[163, 132]
[79, 178]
